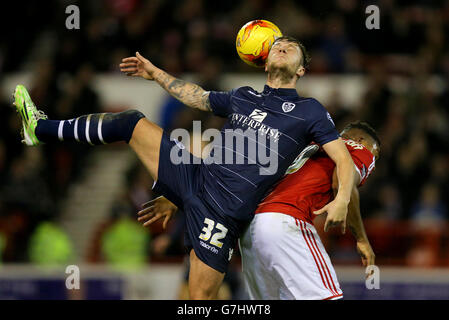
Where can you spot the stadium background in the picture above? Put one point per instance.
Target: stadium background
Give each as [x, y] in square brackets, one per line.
[72, 204]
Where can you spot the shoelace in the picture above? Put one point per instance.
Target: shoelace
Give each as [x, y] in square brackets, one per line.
[39, 114]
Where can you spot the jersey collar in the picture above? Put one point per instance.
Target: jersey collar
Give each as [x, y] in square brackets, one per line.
[286, 92]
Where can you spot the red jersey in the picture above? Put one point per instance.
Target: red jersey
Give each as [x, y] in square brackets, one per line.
[308, 186]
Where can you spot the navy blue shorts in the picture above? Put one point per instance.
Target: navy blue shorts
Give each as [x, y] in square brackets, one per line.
[211, 234]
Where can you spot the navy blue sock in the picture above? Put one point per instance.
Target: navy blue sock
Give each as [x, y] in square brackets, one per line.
[95, 129]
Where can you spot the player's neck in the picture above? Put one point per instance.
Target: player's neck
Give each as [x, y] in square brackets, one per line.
[280, 82]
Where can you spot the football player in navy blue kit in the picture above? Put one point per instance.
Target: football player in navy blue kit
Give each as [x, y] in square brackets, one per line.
[218, 197]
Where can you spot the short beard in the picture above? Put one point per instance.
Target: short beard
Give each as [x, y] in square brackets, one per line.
[281, 73]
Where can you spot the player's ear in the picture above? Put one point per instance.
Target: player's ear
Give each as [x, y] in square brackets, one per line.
[301, 71]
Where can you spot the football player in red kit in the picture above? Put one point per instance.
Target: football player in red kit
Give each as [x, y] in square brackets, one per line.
[282, 254]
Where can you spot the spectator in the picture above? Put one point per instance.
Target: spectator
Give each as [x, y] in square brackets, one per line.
[49, 245]
[124, 244]
[429, 211]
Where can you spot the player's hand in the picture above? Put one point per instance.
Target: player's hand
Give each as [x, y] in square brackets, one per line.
[155, 209]
[336, 215]
[138, 66]
[366, 252]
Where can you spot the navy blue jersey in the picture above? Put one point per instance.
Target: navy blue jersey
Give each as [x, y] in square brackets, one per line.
[284, 124]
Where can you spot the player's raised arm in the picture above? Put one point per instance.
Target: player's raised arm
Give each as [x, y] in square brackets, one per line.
[338, 208]
[190, 94]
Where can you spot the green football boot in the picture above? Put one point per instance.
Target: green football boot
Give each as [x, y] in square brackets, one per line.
[28, 114]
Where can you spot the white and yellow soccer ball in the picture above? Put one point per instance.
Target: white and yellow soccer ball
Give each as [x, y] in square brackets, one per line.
[254, 41]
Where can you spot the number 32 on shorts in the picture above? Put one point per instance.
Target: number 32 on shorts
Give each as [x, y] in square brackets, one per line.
[216, 237]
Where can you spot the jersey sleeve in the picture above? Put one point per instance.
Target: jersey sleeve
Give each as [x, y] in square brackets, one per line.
[322, 128]
[364, 162]
[220, 102]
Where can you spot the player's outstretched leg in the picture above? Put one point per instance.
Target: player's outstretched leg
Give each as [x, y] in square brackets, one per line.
[94, 129]
[143, 136]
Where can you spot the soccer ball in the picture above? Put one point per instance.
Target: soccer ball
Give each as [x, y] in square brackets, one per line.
[254, 41]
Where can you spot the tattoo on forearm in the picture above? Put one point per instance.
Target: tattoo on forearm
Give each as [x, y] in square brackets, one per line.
[206, 102]
[188, 93]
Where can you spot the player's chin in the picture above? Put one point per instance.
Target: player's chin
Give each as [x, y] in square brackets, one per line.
[281, 67]
[279, 63]
[273, 65]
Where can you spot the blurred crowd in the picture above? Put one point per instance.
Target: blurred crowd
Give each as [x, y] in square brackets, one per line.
[180, 35]
[406, 64]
